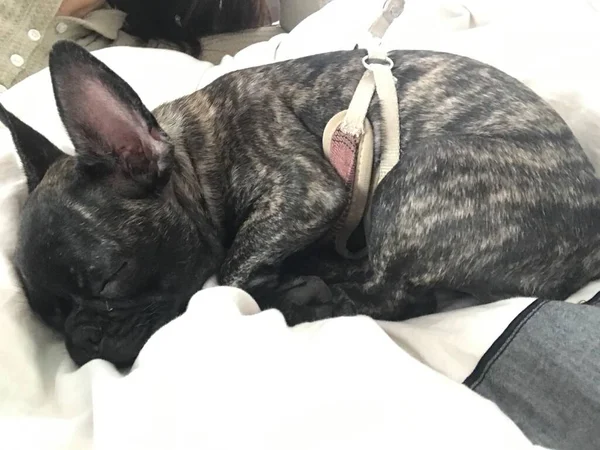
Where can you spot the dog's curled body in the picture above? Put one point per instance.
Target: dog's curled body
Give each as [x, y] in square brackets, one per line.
[492, 196]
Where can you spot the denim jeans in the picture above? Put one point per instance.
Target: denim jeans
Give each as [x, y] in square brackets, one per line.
[544, 373]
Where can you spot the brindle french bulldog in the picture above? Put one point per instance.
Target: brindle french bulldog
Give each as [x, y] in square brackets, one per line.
[493, 196]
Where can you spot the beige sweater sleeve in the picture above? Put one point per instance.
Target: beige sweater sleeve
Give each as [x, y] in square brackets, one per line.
[29, 28]
[24, 23]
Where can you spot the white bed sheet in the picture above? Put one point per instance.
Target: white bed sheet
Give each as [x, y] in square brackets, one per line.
[222, 376]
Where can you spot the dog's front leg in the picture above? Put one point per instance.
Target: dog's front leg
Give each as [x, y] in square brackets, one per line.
[284, 222]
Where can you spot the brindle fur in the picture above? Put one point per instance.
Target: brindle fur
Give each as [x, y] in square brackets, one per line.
[493, 196]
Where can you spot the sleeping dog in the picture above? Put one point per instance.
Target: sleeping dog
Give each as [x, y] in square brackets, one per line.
[492, 196]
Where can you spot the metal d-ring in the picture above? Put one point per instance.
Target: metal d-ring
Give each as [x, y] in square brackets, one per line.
[367, 63]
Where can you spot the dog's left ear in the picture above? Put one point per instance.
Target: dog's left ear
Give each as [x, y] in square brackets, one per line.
[105, 119]
[35, 151]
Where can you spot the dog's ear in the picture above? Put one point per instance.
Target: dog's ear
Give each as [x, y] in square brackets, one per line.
[36, 152]
[105, 119]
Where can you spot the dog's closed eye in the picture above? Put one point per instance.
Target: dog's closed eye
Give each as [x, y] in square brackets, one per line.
[109, 287]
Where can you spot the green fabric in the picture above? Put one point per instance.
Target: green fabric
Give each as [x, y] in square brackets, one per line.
[99, 29]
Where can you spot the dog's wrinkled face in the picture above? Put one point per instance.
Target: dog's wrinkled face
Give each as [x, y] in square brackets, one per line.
[106, 252]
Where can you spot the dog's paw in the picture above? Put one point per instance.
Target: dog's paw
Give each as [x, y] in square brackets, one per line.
[305, 299]
[302, 291]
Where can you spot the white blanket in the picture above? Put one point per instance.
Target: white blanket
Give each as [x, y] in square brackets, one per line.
[224, 375]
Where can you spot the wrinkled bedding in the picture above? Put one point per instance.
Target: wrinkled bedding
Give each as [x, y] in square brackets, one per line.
[225, 375]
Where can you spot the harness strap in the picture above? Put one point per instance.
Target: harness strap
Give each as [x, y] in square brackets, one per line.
[348, 138]
[385, 85]
[391, 11]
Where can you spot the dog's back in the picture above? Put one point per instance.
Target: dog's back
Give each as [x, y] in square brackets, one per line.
[492, 195]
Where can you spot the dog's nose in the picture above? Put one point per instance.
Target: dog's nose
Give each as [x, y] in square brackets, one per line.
[85, 344]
